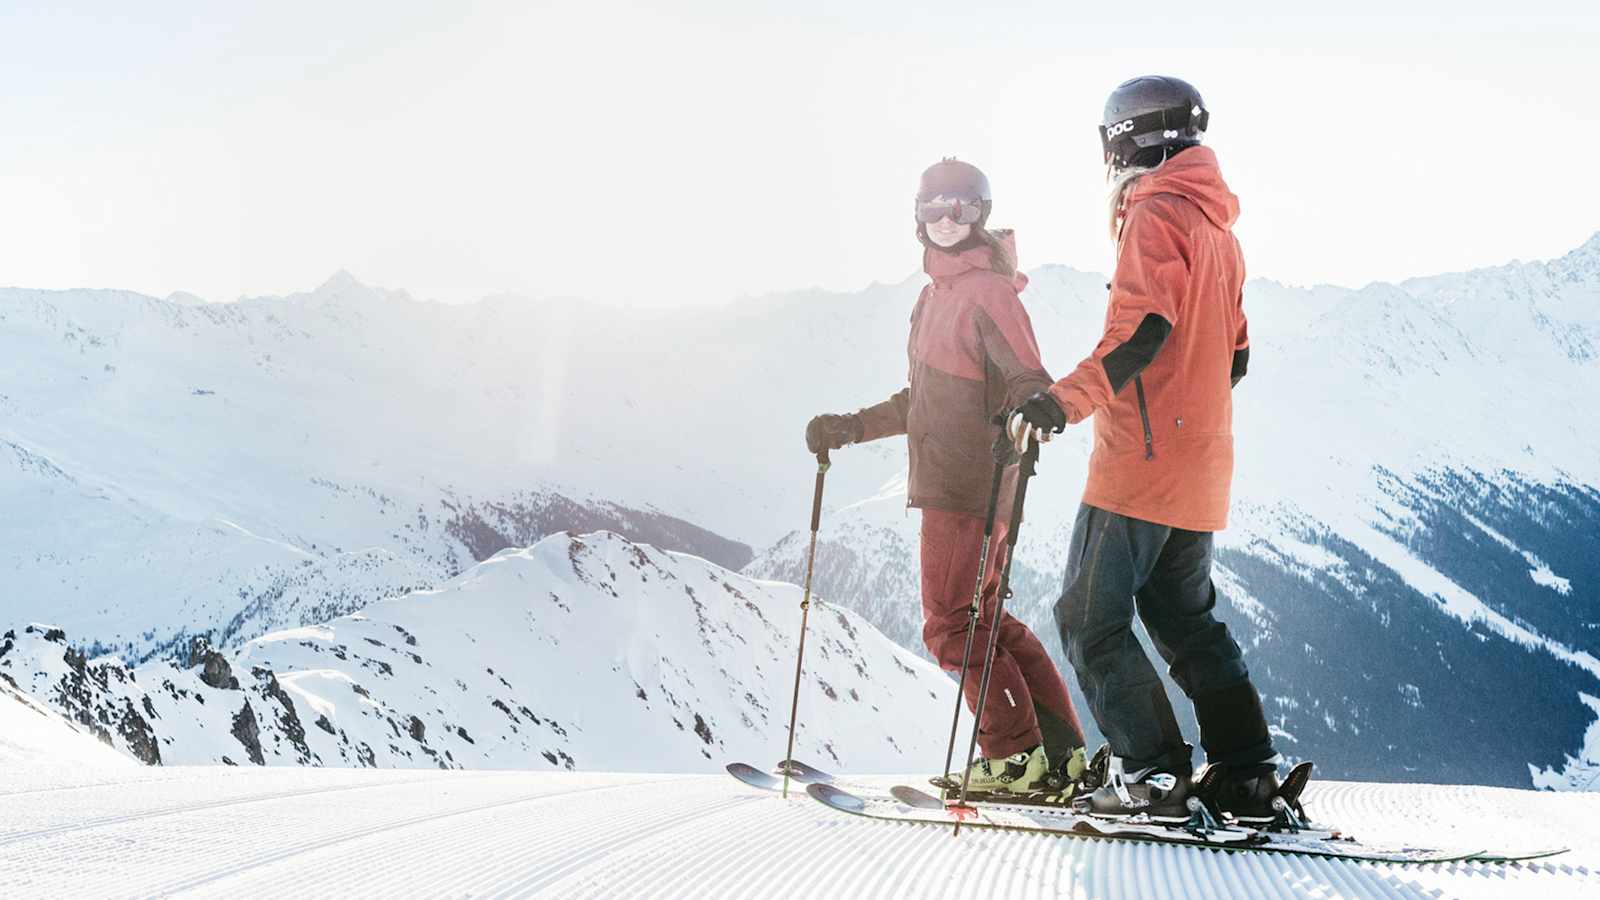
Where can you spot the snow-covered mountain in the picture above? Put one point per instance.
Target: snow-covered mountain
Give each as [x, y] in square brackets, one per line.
[172, 469]
[589, 653]
[1412, 563]
[33, 736]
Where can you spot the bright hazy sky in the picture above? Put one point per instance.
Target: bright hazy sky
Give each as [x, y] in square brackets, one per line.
[695, 151]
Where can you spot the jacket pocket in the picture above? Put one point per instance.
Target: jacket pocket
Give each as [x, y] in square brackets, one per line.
[944, 469]
[1144, 418]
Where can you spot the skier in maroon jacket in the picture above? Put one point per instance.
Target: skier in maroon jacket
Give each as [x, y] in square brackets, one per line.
[972, 355]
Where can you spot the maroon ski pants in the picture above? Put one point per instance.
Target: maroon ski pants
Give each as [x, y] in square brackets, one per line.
[1023, 674]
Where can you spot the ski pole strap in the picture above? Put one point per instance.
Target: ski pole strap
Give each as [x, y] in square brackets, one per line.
[1030, 459]
[1029, 465]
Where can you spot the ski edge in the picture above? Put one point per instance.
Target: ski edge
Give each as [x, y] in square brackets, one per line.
[1493, 857]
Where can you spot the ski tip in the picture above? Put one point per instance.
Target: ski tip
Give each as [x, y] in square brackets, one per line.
[911, 796]
[841, 800]
[802, 772]
[753, 776]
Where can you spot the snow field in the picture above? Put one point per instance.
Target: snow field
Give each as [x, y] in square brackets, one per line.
[218, 831]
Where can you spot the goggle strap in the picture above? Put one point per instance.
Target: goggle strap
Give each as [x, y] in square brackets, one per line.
[1179, 119]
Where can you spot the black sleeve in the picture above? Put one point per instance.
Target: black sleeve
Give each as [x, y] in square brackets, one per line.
[1241, 365]
[1128, 360]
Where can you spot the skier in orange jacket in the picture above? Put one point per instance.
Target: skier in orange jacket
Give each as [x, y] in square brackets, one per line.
[1159, 387]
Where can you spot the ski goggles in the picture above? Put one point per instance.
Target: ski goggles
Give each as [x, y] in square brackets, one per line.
[961, 212]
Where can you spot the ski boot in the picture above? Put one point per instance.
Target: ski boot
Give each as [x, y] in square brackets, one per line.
[1070, 778]
[1153, 792]
[1252, 795]
[1019, 773]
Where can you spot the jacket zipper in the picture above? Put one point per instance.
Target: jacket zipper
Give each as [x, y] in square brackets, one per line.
[1144, 418]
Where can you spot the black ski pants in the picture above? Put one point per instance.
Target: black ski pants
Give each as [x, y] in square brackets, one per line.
[1120, 566]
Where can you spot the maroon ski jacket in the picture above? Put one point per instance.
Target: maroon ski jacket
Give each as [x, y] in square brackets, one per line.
[972, 354]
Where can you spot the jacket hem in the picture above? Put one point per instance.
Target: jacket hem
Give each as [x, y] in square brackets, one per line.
[1144, 514]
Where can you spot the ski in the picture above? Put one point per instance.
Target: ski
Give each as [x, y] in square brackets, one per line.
[912, 805]
[1519, 856]
[803, 773]
[908, 804]
[800, 774]
[756, 778]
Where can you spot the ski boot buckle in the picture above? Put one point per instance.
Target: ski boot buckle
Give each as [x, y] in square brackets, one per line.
[1284, 818]
[1201, 822]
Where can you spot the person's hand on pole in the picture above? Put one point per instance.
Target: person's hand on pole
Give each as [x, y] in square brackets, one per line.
[1040, 417]
[830, 432]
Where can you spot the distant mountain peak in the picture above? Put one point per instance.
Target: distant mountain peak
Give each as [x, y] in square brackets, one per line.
[1581, 263]
[340, 282]
[184, 298]
[1589, 248]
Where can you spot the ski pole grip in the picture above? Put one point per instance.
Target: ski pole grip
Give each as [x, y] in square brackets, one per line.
[816, 499]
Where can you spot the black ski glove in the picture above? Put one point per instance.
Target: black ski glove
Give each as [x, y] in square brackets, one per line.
[830, 432]
[1044, 413]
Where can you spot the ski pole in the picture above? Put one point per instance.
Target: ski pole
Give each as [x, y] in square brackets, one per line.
[972, 620]
[805, 611]
[1025, 470]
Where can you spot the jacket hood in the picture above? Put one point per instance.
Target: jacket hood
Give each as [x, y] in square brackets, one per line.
[943, 266]
[1195, 176]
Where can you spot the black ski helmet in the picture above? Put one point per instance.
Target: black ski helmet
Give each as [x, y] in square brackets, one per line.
[950, 177]
[1151, 111]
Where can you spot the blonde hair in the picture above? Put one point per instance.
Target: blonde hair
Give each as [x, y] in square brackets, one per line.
[1000, 259]
[1122, 181]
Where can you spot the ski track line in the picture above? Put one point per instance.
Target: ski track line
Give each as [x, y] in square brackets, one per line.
[753, 833]
[358, 833]
[19, 837]
[598, 852]
[601, 821]
[752, 837]
[484, 853]
[594, 821]
[1389, 814]
[80, 786]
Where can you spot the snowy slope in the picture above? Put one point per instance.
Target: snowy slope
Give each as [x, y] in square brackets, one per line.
[588, 653]
[175, 469]
[33, 736]
[216, 832]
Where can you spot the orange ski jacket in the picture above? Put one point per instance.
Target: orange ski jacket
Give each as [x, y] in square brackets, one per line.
[1159, 383]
